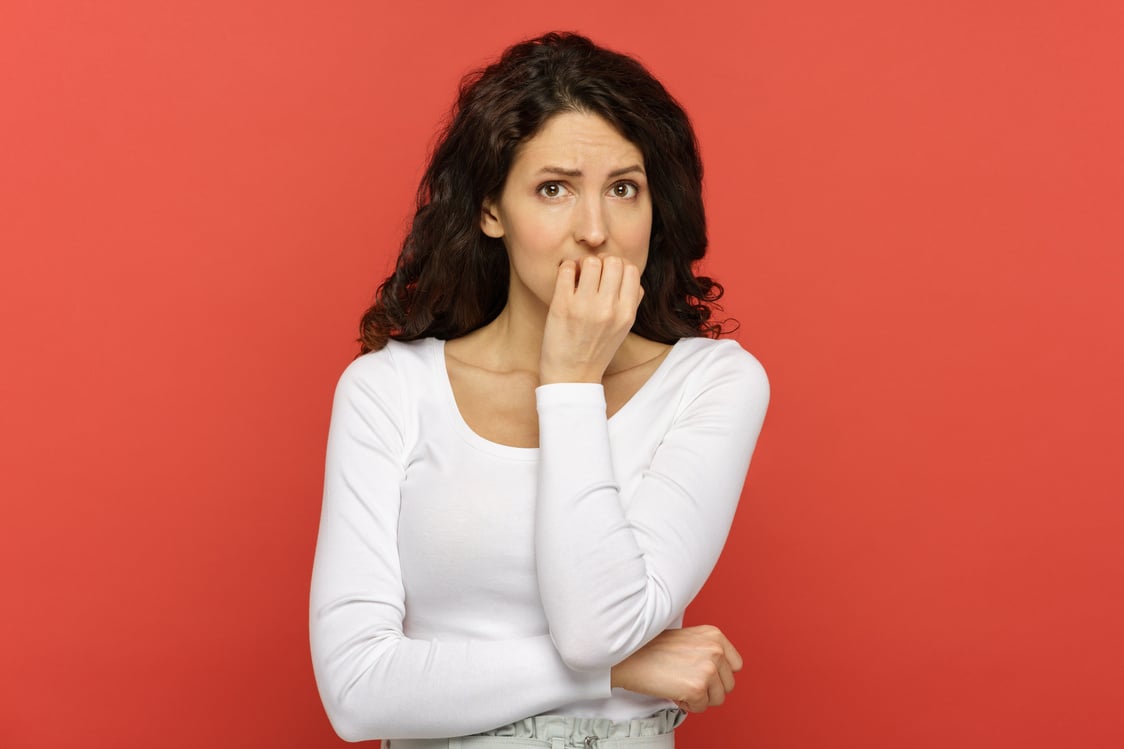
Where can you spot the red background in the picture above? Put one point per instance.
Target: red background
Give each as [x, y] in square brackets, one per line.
[914, 207]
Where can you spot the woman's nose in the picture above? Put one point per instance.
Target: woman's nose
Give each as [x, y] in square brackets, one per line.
[590, 223]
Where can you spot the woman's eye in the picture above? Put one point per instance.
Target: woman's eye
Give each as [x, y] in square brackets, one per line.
[624, 190]
[551, 190]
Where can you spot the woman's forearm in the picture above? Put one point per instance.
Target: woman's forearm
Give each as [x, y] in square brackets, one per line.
[613, 578]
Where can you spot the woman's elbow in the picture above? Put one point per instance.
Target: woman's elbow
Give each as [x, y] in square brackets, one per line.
[349, 733]
[352, 714]
[347, 721]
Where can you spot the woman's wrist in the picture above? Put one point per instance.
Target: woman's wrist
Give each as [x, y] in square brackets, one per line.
[554, 374]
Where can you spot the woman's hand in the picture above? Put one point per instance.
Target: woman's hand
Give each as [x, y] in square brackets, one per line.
[590, 315]
[693, 667]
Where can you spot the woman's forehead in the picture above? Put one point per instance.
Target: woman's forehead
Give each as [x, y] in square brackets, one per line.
[578, 143]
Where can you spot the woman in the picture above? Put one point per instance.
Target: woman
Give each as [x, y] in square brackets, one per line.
[533, 467]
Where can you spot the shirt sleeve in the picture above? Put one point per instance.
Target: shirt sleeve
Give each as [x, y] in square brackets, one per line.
[612, 577]
[374, 681]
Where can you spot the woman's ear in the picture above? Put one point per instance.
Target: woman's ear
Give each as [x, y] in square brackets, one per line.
[490, 222]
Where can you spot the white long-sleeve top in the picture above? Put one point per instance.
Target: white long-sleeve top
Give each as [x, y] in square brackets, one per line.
[460, 584]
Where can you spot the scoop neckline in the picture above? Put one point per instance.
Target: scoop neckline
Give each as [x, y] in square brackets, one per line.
[470, 436]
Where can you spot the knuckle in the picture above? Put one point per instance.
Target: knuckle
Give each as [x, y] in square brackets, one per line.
[696, 693]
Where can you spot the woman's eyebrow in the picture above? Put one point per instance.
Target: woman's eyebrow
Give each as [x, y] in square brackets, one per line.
[578, 172]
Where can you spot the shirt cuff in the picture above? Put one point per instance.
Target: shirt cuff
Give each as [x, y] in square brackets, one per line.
[570, 394]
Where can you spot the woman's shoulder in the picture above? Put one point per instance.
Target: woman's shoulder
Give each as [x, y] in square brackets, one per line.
[398, 364]
[718, 357]
[382, 389]
[719, 374]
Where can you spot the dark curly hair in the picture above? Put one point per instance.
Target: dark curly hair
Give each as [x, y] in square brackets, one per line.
[451, 278]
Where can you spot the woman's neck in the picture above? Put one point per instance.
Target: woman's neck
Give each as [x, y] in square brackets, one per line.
[513, 342]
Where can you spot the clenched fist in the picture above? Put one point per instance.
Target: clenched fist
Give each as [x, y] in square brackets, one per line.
[693, 667]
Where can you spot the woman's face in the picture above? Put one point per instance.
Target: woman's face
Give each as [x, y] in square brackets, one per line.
[577, 188]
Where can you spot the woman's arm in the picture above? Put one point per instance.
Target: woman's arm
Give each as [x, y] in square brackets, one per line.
[374, 681]
[613, 578]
